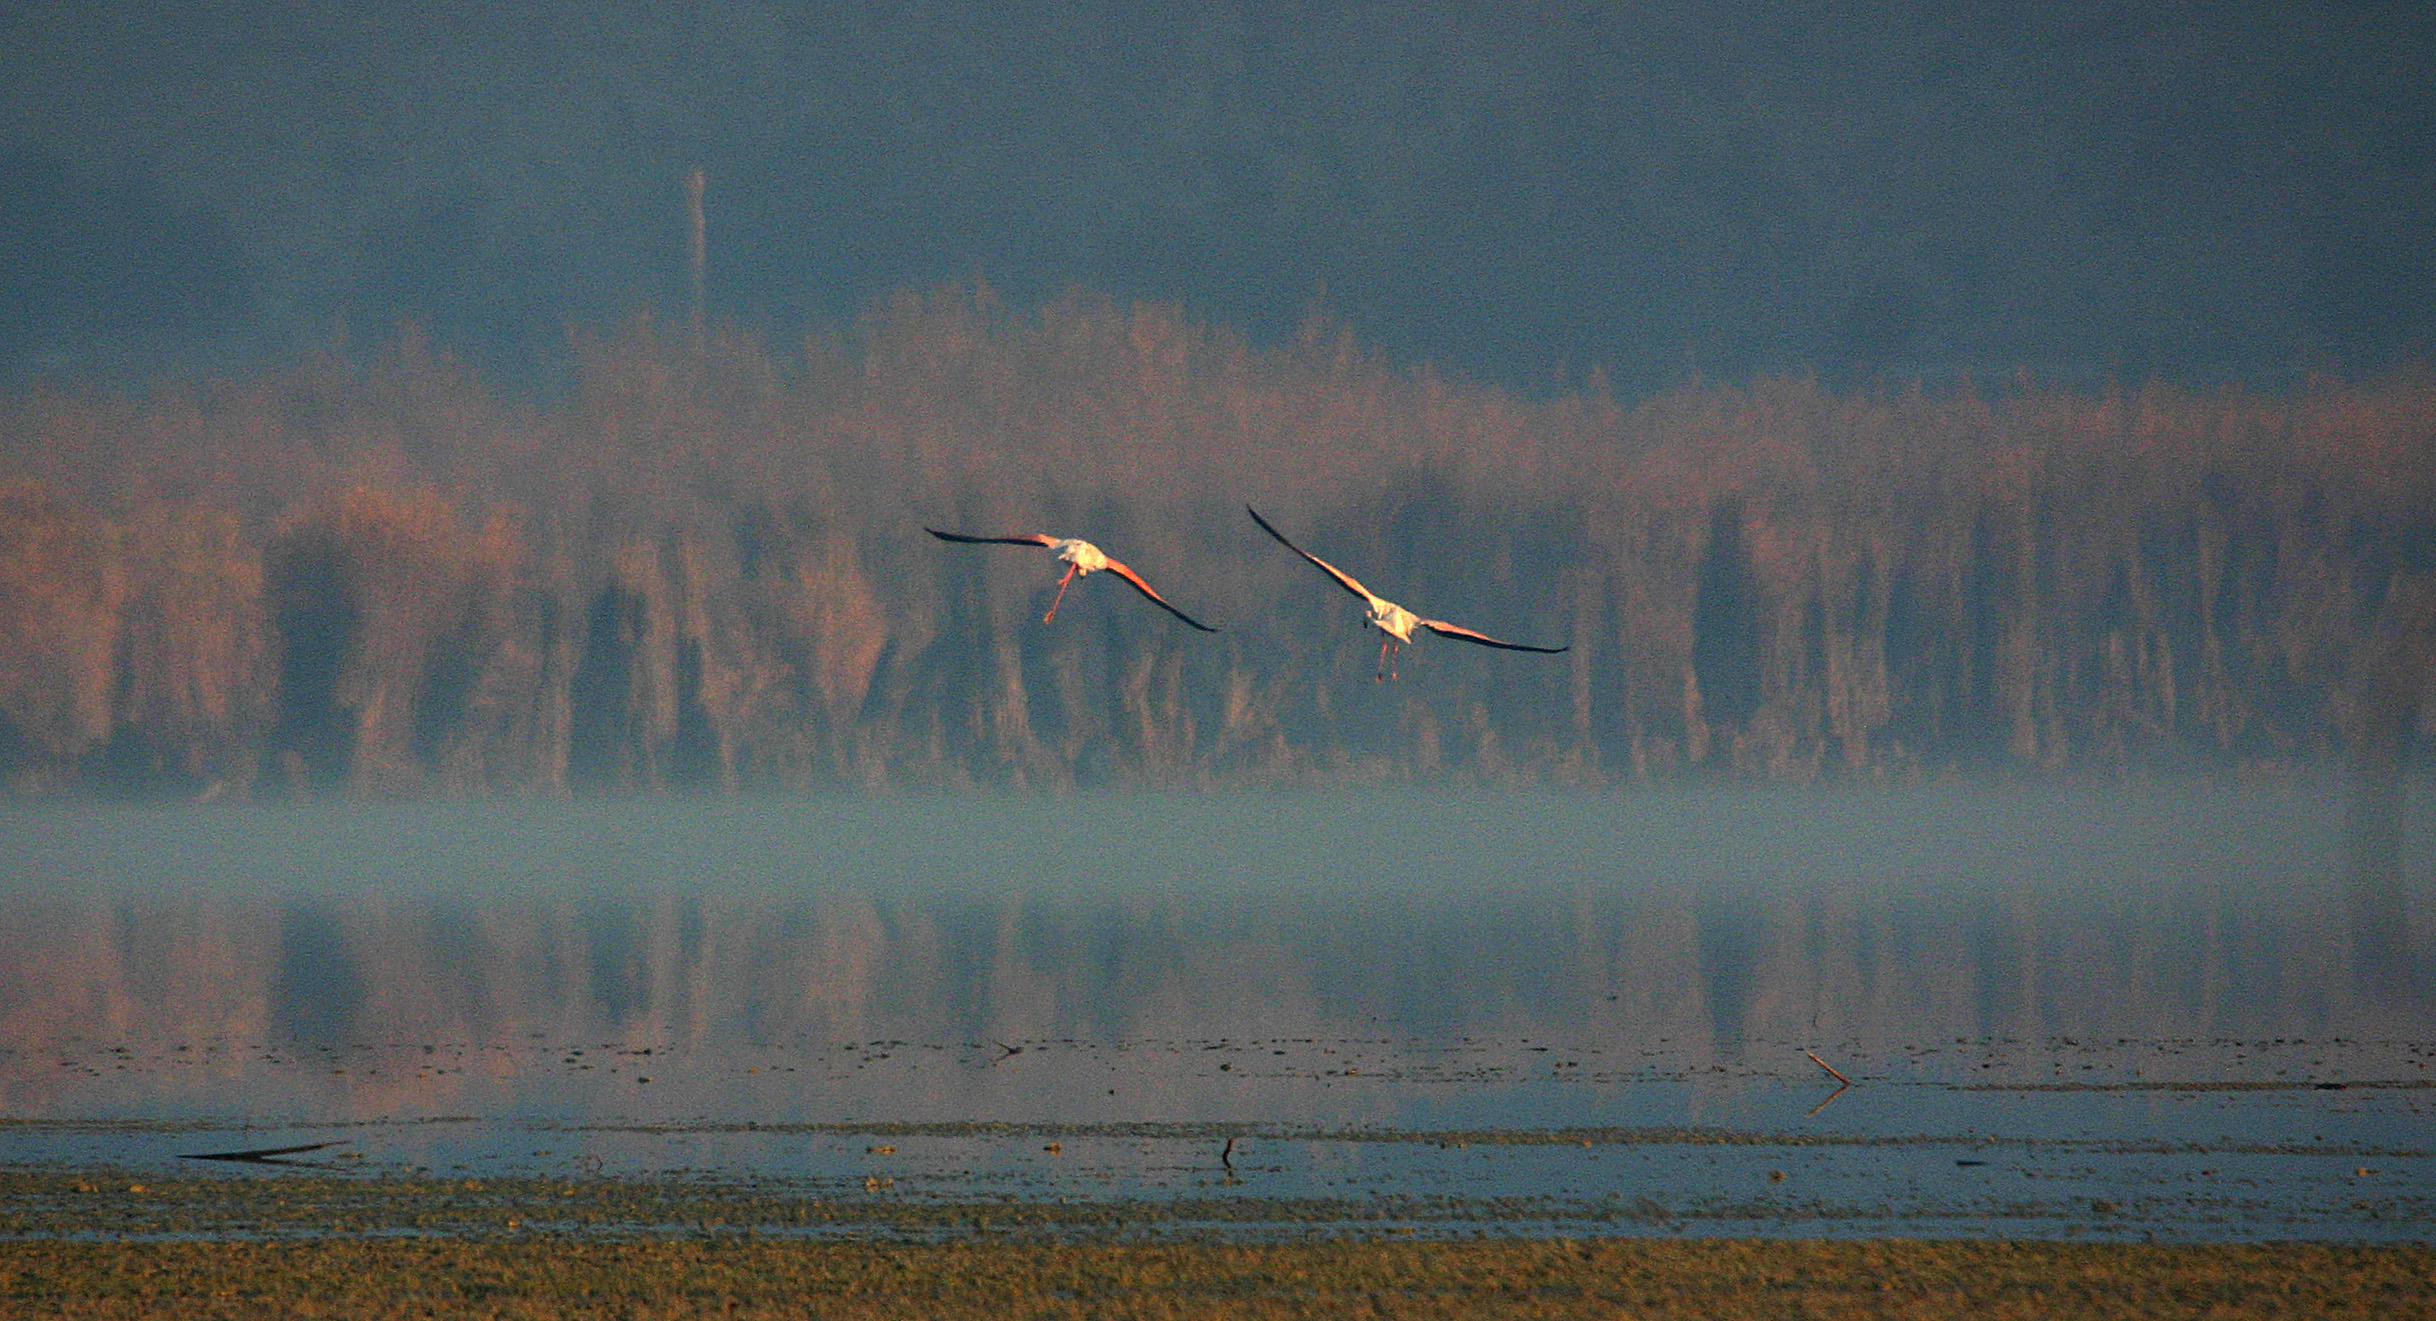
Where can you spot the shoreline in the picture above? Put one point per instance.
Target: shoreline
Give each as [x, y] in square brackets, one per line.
[1707, 1278]
[278, 1201]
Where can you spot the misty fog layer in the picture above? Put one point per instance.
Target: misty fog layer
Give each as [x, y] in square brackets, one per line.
[2207, 192]
[1689, 929]
[706, 569]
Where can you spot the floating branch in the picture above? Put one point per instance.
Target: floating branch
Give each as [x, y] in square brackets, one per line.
[262, 1155]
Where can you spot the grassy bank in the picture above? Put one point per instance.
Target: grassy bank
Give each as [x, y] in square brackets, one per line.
[1003, 1281]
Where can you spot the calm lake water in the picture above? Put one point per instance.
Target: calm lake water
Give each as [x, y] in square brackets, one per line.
[2123, 1010]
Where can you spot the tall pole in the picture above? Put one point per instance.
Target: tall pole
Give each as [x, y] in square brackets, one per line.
[696, 243]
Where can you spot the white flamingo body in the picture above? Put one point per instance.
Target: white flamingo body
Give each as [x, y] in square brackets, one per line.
[1081, 559]
[1085, 557]
[1394, 620]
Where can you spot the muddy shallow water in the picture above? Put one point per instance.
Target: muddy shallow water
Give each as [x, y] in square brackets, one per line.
[2111, 1012]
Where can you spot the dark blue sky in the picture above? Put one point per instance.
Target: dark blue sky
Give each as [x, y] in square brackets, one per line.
[2202, 191]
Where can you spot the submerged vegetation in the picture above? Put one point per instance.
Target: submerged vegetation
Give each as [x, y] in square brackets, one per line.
[703, 567]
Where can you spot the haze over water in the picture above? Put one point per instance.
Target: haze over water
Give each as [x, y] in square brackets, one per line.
[669, 984]
[1711, 927]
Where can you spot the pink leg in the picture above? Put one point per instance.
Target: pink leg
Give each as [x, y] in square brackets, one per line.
[1380, 676]
[1061, 594]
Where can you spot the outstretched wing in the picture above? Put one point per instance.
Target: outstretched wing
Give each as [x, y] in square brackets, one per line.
[1036, 539]
[1160, 601]
[1446, 630]
[1334, 572]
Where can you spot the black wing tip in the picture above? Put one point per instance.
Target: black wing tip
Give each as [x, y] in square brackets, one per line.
[1163, 604]
[1458, 633]
[1271, 528]
[968, 539]
[1181, 615]
[1125, 573]
[1279, 537]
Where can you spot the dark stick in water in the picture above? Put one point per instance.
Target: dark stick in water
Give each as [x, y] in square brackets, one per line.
[262, 1155]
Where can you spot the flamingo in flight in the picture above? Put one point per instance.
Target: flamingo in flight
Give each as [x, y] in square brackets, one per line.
[1394, 620]
[1081, 558]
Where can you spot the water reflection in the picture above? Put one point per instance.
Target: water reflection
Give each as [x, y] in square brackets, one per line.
[2394, 945]
[1372, 960]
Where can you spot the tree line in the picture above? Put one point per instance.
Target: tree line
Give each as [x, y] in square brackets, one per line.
[701, 567]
